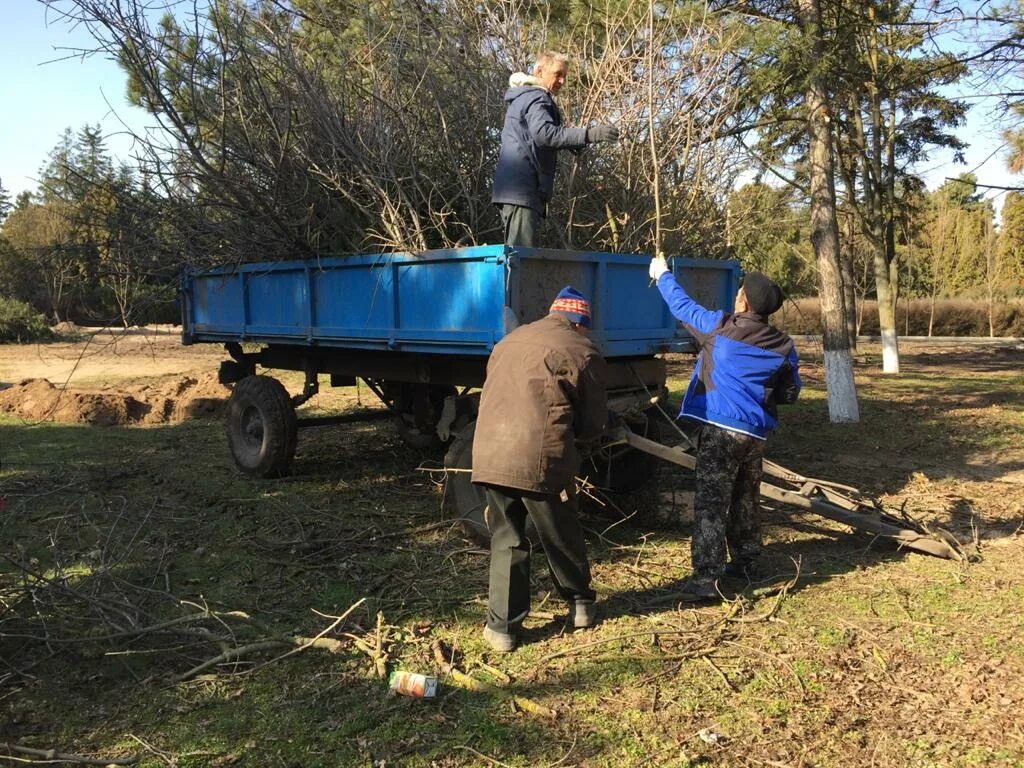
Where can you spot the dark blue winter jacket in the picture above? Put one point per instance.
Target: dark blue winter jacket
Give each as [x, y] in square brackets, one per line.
[530, 139]
[745, 368]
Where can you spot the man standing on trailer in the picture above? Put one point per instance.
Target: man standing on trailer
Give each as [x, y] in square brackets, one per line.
[530, 139]
[745, 368]
[544, 393]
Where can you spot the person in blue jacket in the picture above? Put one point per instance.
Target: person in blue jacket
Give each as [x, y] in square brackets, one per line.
[746, 368]
[530, 140]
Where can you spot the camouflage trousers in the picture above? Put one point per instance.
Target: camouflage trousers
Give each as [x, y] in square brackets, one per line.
[727, 502]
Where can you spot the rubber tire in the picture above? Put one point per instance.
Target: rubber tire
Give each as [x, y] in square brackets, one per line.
[466, 501]
[261, 427]
[630, 468]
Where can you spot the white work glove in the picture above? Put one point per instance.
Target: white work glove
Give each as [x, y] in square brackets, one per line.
[658, 267]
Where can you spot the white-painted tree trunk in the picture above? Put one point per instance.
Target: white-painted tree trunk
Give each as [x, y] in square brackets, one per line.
[839, 382]
[890, 351]
[842, 394]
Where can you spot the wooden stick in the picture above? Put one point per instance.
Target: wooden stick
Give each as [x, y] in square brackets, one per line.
[466, 682]
[52, 755]
[315, 640]
[230, 655]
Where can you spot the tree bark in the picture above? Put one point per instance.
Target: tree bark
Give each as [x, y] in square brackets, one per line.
[849, 284]
[840, 386]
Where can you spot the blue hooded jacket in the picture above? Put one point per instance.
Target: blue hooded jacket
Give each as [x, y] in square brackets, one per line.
[530, 139]
[745, 368]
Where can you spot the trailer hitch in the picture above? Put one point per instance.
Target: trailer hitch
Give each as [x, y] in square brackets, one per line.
[834, 501]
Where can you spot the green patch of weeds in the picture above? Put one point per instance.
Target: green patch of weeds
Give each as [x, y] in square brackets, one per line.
[952, 658]
[339, 594]
[809, 671]
[830, 638]
[856, 604]
[979, 755]
[991, 643]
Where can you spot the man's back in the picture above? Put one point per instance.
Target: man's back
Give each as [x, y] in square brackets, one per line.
[545, 388]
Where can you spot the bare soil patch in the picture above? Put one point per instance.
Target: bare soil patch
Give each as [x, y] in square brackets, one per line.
[183, 398]
[109, 377]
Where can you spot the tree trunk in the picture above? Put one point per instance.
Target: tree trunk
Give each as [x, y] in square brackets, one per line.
[839, 382]
[886, 312]
[849, 285]
[884, 282]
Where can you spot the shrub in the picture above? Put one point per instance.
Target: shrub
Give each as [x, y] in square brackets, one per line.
[20, 323]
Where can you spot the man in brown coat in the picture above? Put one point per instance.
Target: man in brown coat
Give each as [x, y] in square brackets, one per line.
[545, 391]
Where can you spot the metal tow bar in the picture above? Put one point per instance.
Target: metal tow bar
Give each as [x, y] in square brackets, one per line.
[830, 500]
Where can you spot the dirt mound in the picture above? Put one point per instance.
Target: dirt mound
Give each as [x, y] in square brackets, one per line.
[183, 398]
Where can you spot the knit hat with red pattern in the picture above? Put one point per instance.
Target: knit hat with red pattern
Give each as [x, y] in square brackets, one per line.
[573, 305]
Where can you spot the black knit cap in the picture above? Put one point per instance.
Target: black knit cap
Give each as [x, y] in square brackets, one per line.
[763, 296]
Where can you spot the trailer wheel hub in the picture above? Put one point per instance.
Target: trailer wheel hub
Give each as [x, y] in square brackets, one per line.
[252, 428]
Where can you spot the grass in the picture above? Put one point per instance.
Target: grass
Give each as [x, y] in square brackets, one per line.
[873, 656]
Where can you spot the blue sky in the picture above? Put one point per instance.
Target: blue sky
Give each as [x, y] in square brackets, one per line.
[43, 92]
[41, 99]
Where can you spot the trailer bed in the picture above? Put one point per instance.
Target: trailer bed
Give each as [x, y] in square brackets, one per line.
[457, 302]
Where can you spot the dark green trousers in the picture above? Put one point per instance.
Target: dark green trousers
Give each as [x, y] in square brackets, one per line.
[561, 535]
[521, 224]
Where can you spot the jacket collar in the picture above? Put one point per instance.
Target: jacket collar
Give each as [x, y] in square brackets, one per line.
[752, 316]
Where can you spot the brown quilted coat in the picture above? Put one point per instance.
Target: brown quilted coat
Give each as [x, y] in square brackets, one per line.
[545, 390]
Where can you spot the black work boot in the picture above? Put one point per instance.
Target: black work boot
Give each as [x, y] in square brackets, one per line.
[502, 642]
[745, 569]
[699, 589]
[582, 614]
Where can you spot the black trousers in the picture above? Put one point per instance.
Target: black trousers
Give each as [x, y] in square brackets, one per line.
[522, 225]
[561, 535]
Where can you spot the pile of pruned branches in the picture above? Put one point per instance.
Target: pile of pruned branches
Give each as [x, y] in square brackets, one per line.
[287, 130]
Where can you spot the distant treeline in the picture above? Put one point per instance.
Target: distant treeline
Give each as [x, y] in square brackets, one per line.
[917, 317]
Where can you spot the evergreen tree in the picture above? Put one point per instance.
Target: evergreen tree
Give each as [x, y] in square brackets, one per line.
[1010, 272]
[957, 239]
[769, 232]
[5, 202]
[891, 114]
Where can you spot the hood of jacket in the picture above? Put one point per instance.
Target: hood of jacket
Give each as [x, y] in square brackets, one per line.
[519, 83]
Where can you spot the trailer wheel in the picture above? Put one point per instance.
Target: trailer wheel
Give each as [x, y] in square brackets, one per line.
[464, 500]
[622, 469]
[261, 427]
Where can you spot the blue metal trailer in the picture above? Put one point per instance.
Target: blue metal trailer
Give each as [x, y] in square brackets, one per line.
[418, 328]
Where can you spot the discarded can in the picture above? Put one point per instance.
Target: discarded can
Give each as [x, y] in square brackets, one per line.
[413, 684]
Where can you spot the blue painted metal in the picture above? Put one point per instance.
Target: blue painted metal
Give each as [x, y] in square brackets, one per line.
[444, 302]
